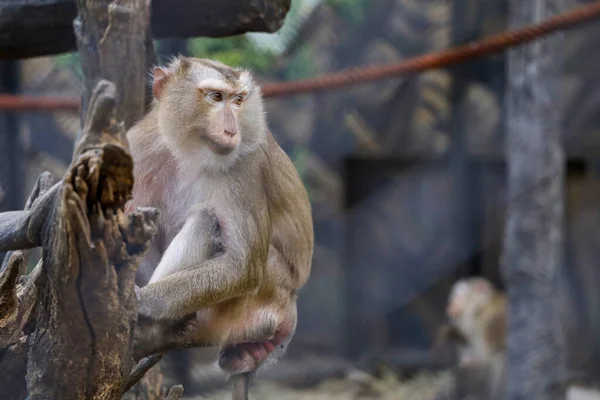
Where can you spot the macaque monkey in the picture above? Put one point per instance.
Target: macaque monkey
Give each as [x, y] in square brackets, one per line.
[477, 323]
[236, 226]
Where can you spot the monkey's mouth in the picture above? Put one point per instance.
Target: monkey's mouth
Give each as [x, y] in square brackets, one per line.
[222, 146]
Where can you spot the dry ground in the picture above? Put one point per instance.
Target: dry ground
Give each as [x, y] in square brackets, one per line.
[356, 385]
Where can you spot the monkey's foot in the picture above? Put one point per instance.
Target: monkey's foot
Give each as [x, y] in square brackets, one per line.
[246, 357]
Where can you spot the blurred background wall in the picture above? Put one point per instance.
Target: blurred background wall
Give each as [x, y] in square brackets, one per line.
[406, 176]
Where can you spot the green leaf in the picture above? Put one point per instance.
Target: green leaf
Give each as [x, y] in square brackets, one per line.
[235, 51]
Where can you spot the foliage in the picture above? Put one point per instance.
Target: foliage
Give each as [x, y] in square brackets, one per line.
[69, 60]
[301, 65]
[236, 51]
[351, 10]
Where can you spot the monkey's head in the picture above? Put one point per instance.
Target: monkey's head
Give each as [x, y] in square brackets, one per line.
[467, 296]
[209, 113]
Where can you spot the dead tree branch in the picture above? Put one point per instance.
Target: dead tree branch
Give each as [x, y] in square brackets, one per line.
[18, 296]
[109, 32]
[42, 185]
[175, 393]
[141, 368]
[24, 229]
[91, 254]
[82, 344]
[48, 28]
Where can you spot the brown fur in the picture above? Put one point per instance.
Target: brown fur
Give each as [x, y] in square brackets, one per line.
[237, 229]
[478, 312]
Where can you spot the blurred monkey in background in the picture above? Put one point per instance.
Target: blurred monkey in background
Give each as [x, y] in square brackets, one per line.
[476, 313]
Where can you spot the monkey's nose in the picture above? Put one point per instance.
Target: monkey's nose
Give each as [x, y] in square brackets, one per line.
[229, 133]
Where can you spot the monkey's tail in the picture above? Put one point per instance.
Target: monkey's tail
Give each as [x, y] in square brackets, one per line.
[239, 390]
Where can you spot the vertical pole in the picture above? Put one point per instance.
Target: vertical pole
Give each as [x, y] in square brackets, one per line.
[460, 160]
[11, 161]
[534, 232]
[10, 157]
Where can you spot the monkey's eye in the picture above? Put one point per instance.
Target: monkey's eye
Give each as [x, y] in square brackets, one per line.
[237, 100]
[216, 97]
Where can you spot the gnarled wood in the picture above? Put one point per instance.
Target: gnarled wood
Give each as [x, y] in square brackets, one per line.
[82, 344]
[17, 299]
[24, 229]
[141, 368]
[108, 33]
[43, 183]
[175, 393]
[31, 28]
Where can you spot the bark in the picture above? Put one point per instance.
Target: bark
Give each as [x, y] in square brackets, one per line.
[83, 290]
[149, 387]
[534, 233]
[71, 324]
[87, 307]
[32, 28]
[110, 35]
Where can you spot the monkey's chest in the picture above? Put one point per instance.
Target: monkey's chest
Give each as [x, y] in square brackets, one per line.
[183, 196]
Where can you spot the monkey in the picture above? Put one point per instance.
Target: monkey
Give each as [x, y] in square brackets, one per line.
[236, 239]
[477, 320]
[476, 311]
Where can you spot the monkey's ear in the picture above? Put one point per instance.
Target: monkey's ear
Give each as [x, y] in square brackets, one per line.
[158, 83]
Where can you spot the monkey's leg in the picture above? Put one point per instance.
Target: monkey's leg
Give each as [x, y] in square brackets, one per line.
[240, 382]
[198, 283]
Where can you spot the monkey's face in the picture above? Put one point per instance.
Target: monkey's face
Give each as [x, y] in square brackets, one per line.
[457, 301]
[222, 106]
[467, 296]
[210, 113]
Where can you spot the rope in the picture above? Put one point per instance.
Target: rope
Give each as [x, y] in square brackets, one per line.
[444, 58]
[360, 75]
[37, 103]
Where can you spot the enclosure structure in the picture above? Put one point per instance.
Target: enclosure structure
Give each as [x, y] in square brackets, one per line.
[408, 177]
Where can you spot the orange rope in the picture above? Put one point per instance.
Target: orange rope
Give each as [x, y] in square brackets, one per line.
[444, 58]
[37, 103]
[355, 76]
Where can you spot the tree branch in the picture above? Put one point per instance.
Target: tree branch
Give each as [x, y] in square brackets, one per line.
[141, 368]
[82, 343]
[24, 229]
[43, 183]
[17, 299]
[48, 28]
[107, 33]
[175, 393]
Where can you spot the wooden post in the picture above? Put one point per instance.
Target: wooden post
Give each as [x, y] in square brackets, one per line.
[108, 33]
[460, 162]
[11, 163]
[534, 232]
[10, 160]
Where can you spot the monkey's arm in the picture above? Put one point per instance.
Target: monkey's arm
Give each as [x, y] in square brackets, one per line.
[494, 325]
[192, 281]
[291, 216]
